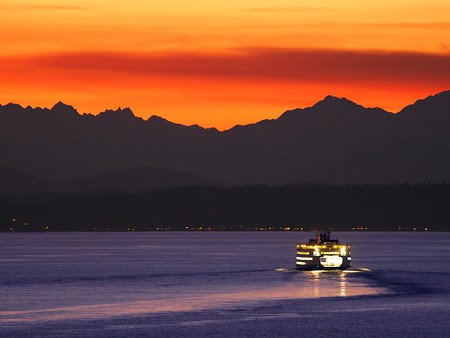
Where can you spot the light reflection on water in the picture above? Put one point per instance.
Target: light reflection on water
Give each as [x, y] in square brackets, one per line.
[336, 284]
[55, 276]
[313, 284]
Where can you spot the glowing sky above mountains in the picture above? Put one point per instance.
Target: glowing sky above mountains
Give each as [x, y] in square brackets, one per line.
[221, 63]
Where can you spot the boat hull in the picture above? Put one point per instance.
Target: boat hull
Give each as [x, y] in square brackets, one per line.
[323, 263]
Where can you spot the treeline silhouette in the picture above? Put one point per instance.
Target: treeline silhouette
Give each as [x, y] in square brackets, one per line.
[291, 207]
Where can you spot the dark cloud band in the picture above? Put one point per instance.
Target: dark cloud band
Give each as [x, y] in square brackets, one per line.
[261, 64]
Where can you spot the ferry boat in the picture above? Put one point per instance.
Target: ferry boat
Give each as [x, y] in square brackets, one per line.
[323, 253]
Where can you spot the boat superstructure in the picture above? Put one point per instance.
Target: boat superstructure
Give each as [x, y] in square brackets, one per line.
[323, 253]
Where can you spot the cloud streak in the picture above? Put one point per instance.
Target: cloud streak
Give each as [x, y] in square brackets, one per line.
[288, 9]
[259, 64]
[36, 7]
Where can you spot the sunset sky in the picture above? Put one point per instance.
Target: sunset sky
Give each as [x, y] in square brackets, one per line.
[221, 63]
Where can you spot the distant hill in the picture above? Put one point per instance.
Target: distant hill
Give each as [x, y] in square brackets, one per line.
[335, 141]
[135, 180]
[15, 181]
[126, 180]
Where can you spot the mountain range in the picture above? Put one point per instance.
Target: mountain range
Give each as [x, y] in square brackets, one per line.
[335, 141]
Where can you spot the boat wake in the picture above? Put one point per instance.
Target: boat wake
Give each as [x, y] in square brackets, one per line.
[324, 271]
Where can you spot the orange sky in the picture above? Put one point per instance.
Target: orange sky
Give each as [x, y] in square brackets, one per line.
[221, 63]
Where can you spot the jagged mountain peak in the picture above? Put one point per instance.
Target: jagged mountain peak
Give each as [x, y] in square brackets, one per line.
[158, 121]
[336, 103]
[61, 107]
[12, 105]
[125, 113]
[437, 103]
[156, 118]
[339, 108]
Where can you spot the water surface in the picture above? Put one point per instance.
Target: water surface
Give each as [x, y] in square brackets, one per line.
[193, 283]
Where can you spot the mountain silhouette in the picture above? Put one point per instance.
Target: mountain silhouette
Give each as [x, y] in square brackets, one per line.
[335, 141]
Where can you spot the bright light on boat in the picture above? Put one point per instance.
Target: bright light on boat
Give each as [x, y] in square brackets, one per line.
[316, 251]
[323, 251]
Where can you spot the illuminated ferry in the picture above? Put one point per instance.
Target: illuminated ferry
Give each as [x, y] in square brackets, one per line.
[323, 253]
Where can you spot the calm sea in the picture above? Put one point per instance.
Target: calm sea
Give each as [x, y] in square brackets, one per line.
[220, 284]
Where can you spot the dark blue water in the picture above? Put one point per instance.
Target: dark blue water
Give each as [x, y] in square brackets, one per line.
[220, 285]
